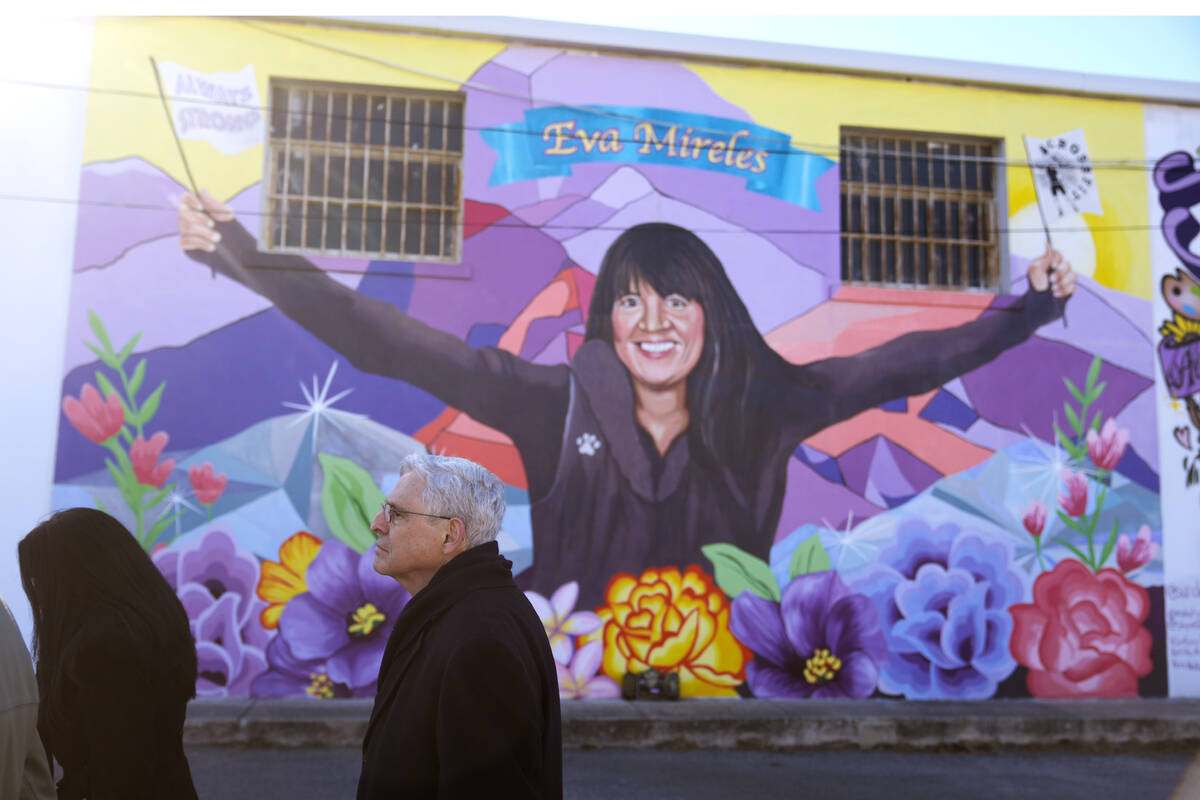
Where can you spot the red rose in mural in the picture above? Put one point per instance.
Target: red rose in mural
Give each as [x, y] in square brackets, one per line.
[1082, 635]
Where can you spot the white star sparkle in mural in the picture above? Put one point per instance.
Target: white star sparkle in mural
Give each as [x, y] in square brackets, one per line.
[1040, 469]
[177, 501]
[318, 404]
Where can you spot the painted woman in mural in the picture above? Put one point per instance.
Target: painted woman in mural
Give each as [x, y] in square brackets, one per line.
[673, 424]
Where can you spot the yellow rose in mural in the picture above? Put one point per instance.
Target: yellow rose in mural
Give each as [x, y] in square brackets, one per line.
[672, 621]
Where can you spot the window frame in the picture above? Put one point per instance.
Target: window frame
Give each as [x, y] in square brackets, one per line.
[999, 279]
[366, 150]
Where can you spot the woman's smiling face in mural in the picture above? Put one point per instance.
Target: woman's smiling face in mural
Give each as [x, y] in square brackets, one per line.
[658, 339]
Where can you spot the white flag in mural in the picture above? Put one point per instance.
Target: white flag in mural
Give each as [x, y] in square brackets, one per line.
[1063, 176]
[221, 108]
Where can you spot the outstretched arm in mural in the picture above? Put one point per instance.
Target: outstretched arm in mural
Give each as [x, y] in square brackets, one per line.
[491, 385]
[921, 361]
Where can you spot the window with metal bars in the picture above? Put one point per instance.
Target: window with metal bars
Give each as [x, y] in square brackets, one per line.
[364, 171]
[919, 210]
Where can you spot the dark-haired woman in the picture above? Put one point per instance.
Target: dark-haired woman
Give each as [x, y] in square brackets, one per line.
[116, 663]
[673, 424]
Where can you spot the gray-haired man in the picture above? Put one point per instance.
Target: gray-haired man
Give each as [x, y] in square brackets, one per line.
[467, 700]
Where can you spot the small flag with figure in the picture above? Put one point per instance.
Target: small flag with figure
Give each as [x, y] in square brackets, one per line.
[1063, 176]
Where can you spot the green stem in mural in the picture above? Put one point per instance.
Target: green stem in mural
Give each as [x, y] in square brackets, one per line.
[1037, 544]
[131, 489]
[1093, 521]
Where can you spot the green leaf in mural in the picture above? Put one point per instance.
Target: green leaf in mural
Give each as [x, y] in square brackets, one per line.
[158, 527]
[1078, 395]
[735, 571]
[1108, 545]
[349, 500]
[135, 383]
[159, 496]
[1073, 418]
[106, 358]
[809, 556]
[127, 350]
[150, 406]
[101, 333]
[1093, 373]
[106, 388]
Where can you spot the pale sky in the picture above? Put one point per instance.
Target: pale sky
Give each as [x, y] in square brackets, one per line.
[1165, 48]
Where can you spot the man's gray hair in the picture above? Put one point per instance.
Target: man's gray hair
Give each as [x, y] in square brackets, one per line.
[456, 487]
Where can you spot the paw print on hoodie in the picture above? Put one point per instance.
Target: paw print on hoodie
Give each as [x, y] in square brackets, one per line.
[588, 443]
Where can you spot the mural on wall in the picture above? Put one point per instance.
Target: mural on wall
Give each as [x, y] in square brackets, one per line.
[1173, 142]
[720, 462]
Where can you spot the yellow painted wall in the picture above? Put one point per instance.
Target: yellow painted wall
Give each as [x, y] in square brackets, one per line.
[126, 118]
[813, 107]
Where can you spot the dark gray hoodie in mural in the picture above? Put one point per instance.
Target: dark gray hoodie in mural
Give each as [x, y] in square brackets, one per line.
[603, 500]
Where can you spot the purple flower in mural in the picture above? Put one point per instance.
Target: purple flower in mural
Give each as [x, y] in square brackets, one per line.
[215, 580]
[560, 623]
[943, 597]
[820, 640]
[577, 680]
[331, 637]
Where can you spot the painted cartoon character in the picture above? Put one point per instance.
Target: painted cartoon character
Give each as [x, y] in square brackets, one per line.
[689, 418]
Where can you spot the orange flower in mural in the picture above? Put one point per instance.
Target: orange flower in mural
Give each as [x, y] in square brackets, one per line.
[280, 582]
[668, 620]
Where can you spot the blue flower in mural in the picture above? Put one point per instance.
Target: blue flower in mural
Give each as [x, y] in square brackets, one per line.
[331, 637]
[821, 640]
[215, 580]
[943, 597]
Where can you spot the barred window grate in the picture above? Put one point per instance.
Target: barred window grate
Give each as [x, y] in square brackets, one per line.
[364, 171]
[919, 210]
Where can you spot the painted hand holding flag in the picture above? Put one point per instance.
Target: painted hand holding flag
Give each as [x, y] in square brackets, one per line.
[1063, 177]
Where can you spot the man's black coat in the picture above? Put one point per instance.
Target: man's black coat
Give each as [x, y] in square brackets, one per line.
[467, 700]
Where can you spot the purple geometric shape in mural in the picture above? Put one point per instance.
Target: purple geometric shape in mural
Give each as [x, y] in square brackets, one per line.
[885, 473]
[1023, 387]
[949, 410]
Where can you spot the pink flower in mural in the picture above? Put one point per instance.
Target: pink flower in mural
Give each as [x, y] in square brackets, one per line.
[578, 680]
[1106, 447]
[1074, 502]
[1135, 554]
[144, 457]
[1034, 518]
[96, 418]
[1082, 636]
[207, 486]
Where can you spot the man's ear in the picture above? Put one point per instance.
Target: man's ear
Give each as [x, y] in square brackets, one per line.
[455, 537]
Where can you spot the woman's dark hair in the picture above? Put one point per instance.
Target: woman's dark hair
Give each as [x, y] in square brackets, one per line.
[736, 367]
[83, 572]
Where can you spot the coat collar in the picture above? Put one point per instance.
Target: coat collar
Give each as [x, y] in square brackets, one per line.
[480, 567]
[609, 390]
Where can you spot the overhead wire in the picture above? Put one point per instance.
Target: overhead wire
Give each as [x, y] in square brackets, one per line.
[732, 228]
[788, 146]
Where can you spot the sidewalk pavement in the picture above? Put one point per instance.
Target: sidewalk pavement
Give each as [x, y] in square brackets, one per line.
[732, 724]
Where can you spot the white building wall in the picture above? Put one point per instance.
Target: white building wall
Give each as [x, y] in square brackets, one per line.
[41, 138]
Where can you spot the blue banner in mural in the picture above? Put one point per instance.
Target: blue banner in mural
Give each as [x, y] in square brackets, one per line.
[550, 140]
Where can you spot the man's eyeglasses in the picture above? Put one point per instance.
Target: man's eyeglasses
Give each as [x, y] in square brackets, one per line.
[391, 513]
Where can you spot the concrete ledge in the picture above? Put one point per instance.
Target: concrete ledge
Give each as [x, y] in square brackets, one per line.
[1156, 724]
